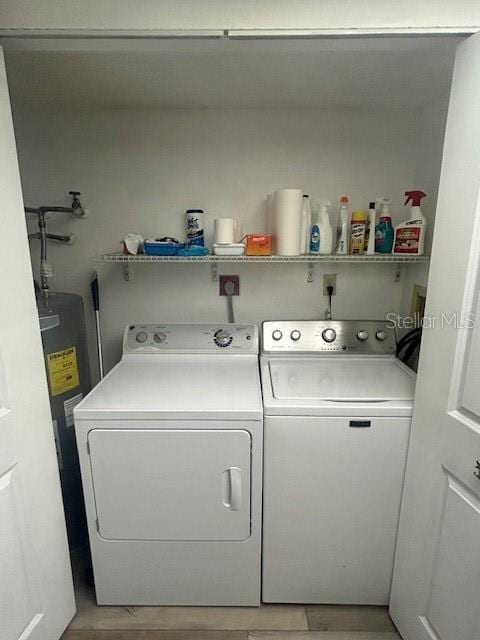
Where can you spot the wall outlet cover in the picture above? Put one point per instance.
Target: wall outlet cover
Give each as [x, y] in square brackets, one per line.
[222, 282]
[329, 279]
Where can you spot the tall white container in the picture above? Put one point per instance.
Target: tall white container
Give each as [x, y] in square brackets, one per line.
[306, 225]
[288, 221]
[270, 219]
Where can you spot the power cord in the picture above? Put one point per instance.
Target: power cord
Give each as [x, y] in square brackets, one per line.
[328, 312]
[230, 290]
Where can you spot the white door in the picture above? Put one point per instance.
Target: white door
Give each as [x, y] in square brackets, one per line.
[436, 585]
[36, 594]
[178, 484]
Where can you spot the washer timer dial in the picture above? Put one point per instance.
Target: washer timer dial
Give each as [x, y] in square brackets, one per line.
[329, 334]
[222, 338]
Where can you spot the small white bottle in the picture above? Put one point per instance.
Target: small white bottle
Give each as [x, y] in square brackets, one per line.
[372, 222]
[305, 225]
[324, 226]
[343, 231]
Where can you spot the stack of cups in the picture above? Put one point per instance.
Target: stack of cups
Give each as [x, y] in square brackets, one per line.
[285, 209]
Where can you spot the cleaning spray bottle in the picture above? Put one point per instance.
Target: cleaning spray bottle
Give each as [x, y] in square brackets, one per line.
[321, 235]
[343, 231]
[370, 233]
[384, 230]
[410, 235]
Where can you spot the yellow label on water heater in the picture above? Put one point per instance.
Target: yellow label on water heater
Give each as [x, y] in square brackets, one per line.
[63, 371]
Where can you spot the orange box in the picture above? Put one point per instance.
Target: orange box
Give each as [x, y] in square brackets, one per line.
[258, 244]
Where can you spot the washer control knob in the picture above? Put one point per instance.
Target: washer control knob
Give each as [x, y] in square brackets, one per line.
[381, 335]
[159, 337]
[362, 335]
[277, 335]
[329, 334]
[222, 338]
[141, 337]
[295, 335]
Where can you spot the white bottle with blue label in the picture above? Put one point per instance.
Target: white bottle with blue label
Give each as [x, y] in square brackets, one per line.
[321, 235]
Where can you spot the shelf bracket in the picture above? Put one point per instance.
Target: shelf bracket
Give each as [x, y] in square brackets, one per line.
[126, 271]
[214, 272]
[397, 276]
[310, 272]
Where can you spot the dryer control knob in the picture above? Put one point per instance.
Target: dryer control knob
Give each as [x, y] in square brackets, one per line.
[381, 335]
[277, 335]
[329, 335]
[141, 337]
[362, 335]
[222, 338]
[295, 335]
[159, 337]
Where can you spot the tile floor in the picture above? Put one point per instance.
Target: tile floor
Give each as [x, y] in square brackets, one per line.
[268, 622]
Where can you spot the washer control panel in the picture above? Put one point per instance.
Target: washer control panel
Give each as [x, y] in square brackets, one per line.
[365, 337]
[190, 338]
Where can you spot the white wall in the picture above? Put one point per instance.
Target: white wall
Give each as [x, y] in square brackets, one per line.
[240, 14]
[427, 175]
[139, 171]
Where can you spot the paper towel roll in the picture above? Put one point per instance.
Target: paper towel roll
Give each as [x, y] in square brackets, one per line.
[225, 230]
[288, 220]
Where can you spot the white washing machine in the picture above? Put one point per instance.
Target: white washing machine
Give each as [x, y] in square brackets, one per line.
[170, 447]
[337, 412]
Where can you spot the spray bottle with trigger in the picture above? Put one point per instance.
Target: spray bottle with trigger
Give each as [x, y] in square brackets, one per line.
[410, 235]
[384, 233]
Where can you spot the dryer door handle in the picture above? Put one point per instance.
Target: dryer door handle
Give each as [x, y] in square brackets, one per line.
[232, 488]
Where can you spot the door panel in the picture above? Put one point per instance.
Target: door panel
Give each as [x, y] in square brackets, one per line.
[452, 611]
[171, 484]
[21, 611]
[436, 581]
[36, 591]
[469, 360]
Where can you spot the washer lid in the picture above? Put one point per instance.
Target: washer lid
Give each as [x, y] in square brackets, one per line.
[340, 379]
[177, 387]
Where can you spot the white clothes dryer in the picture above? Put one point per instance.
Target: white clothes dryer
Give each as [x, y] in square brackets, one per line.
[170, 447]
[337, 407]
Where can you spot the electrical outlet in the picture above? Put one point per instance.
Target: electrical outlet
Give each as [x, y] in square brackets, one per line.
[235, 280]
[330, 280]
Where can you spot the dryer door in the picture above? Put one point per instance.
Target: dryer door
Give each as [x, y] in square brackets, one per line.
[163, 484]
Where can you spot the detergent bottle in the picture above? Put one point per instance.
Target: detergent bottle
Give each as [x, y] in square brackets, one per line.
[321, 236]
[410, 235]
[384, 230]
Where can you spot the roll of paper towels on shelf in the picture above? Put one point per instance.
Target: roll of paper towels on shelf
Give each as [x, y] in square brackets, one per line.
[288, 220]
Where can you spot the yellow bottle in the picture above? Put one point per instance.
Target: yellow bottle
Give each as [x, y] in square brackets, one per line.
[358, 231]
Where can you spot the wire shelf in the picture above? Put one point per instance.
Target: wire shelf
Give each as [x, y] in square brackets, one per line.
[120, 258]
